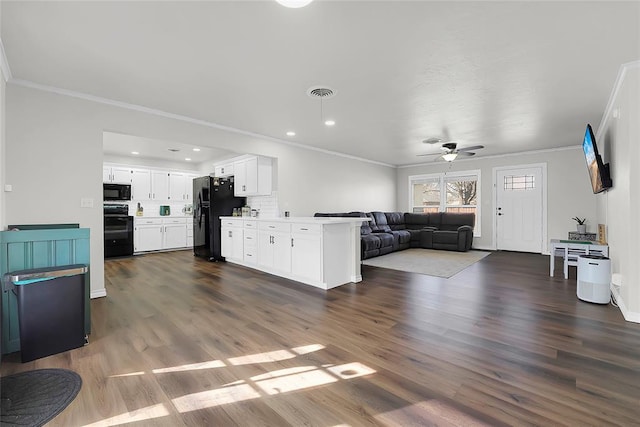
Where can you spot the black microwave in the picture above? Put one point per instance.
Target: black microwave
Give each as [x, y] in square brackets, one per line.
[116, 191]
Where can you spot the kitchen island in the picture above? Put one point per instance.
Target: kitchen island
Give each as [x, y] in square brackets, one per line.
[321, 252]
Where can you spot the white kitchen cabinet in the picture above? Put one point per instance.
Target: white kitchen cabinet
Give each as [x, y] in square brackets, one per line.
[174, 233]
[177, 186]
[321, 252]
[116, 174]
[231, 240]
[190, 232]
[154, 234]
[141, 184]
[223, 170]
[253, 176]
[160, 186]
[250, 242]
[306, 251]
[147, 235]
[181, 187]
[188, 189]
[274, 246]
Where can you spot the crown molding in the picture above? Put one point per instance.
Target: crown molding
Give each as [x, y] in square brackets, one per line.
[4, 64]
[165, 114]
[497, 156]
[608, 111]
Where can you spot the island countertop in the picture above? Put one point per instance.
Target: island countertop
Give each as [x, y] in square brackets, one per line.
[299, 219]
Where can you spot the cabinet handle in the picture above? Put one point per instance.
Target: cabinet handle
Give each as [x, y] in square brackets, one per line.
[154, 195]
[249, 238]
[272, 226]
[304, 229]
[149, 195]
[292, 242]
[230, 233]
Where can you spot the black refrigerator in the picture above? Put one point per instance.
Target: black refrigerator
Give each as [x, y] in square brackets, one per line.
[213, 198]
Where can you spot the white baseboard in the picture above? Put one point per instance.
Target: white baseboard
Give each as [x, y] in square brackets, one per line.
[629, 316]
[99, 293]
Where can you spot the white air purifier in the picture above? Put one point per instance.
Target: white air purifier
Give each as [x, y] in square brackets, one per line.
[594, 275]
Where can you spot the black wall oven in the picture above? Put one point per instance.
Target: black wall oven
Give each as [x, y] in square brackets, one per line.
[118, 231]
[116, 192]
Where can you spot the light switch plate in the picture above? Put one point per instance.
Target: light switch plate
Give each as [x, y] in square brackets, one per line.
[86, 202]
[8, 188]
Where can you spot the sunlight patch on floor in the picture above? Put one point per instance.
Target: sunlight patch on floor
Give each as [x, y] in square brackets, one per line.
[267, 384]
[432, 412]
[132, 374]
[142, 414]
[216, 397]
[191, 367]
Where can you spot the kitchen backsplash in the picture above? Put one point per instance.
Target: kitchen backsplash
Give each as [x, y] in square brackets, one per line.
[152, 208]
[268, 205]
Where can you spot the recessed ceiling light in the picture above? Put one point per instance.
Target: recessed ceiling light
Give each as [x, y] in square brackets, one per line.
[330, 122]
[196, 149]
[291, 133]
[294, 3]
[188, 159]
[134, 152]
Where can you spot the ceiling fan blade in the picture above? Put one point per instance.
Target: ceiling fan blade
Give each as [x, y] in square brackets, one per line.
[428, 154]
[439, 159]
[465, 153]
[473, 147]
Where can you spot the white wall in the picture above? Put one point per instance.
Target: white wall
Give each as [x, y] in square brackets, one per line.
[618, 139]
[3, 223]
[568, 191]
[54, 158]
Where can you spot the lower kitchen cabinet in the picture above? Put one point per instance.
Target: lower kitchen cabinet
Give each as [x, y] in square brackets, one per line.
[147, 235]
[318, 252]
[274, 247]
[154, 234]
[231, 244]
[306, 252]
[174, 233]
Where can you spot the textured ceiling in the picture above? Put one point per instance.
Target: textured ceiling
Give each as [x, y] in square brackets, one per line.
[513, 76]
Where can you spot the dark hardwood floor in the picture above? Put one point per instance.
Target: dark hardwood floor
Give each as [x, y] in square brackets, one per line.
[181, 341]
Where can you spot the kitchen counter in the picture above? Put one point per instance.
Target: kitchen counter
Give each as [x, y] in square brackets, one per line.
[323, 252]
[299, 219]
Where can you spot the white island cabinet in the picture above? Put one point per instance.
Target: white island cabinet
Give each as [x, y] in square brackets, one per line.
[321, 252]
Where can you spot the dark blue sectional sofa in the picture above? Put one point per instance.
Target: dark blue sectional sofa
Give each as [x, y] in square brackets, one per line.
[387, 232]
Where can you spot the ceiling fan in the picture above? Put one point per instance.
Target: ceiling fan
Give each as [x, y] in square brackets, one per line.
[451, 150]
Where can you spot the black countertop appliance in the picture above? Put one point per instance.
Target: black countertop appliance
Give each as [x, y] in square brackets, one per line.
[213, 198]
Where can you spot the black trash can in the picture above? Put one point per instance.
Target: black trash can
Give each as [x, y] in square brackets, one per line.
[50, 309]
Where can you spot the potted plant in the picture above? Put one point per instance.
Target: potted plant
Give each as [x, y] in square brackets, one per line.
[582, 227]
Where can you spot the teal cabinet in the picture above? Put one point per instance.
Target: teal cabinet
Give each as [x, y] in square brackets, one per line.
[39, 248]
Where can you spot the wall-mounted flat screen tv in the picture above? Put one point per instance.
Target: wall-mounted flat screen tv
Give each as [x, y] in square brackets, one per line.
[598, 172]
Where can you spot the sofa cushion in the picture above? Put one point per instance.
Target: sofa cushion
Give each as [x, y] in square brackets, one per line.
[380, 222]
[415, 221]
[451, 221]
[370, 242]
[395, 220]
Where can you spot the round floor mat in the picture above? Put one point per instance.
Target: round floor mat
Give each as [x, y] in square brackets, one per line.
[35, 397]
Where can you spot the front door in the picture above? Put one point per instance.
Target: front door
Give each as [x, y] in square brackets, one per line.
[519, 209]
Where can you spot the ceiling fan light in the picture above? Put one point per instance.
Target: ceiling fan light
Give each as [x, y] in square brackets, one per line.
[450, 157]
[294, 3]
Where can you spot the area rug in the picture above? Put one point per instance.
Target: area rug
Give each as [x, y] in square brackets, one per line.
[427, 261]
[33, 398]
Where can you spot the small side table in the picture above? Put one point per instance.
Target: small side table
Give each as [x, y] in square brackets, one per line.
[570, 251]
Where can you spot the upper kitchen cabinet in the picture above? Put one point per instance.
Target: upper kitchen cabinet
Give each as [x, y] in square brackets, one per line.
[141, 184]
[252, 176]
[181, 186]
[223, 170]
[159, 185]
[116, 174]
